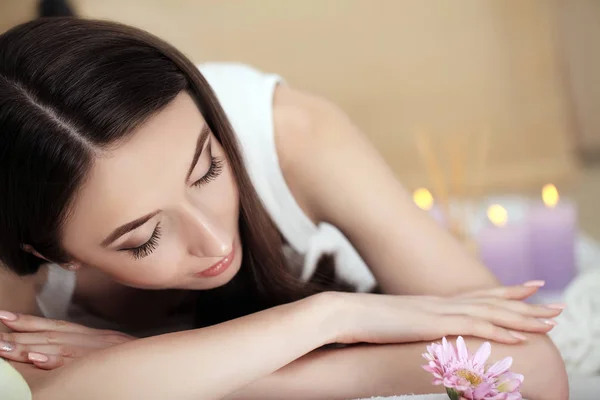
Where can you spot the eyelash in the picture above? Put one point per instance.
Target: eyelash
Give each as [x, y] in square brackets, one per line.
[215, 169]
[147, 248]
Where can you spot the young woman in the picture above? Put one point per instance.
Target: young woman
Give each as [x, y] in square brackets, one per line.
[137, 190]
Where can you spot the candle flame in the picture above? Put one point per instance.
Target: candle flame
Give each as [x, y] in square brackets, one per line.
[497, 215]
[423, 199]
[550, 195]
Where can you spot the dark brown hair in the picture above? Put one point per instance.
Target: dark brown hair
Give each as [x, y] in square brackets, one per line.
[71, 88]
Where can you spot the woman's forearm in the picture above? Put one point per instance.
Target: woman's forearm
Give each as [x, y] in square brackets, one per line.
[203, 364]
[386, 370]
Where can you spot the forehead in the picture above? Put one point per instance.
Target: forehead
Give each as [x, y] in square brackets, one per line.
[137, 177]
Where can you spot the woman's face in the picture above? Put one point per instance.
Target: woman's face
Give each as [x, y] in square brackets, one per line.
[160, 210]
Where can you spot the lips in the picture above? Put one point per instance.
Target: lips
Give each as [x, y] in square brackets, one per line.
[219, 267]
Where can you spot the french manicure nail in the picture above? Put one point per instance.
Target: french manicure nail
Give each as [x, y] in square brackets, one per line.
[550, 322]
[534, 283]
[517, 335]
[37, 357]
[7, 316]
[5, 346]
[556, 306]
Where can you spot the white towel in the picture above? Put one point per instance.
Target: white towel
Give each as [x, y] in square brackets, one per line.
[12, 384]
[413, 397]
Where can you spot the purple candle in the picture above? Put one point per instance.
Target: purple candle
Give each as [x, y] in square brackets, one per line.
[504, 248]
[553, 231]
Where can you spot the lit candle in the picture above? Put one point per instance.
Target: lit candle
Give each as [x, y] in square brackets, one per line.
[424, 200]
[553, 232]
[504, 248]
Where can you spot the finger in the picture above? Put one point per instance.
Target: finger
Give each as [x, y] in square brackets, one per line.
[54, 338]
[47, 362]
[464, 325]
[19, 352]
[501, 317]
[114, 337]
[518, 292]
[57, 350]
[31, 323]
[530, 310]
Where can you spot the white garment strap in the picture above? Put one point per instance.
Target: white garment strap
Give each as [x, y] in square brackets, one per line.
[56, 295]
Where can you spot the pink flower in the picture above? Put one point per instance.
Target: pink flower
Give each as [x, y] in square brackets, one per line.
[465, 376]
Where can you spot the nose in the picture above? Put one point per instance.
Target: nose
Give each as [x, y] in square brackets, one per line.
[205, 235]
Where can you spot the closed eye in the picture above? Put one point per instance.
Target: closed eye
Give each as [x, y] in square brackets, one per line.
[215, 169]
[147, 248]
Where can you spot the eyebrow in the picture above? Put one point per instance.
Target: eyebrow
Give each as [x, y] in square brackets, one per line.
[128, 227]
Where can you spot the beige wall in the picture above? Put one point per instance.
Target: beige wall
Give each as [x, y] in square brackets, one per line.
[579, 38]
[398, 67]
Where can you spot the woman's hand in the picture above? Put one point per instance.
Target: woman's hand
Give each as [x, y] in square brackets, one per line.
[492, 314]
[49, 344]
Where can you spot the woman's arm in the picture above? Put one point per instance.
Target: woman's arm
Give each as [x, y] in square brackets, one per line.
[337, 176]
[208, 363]
[214, 362]
[366, 371]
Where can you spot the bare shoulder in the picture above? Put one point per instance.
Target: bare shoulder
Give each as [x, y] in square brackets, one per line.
[295, 117]
[299, 115]
[300, 120]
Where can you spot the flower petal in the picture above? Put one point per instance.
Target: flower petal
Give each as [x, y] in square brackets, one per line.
[497, 396]
[484, 389]
[518, 376]
[514, 396]
[509, 386]
[461, 347]
[500, 367]
[482, 354]
[509, 382]
[447, 350]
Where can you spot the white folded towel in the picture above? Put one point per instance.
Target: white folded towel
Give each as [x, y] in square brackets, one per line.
[413, 397]
[12, 384]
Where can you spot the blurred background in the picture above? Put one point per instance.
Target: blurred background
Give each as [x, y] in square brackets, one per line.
[484, 100]
[500, 95]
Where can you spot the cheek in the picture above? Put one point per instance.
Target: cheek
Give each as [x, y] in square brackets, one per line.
[154, 272]
[233, 202]
[221, 197]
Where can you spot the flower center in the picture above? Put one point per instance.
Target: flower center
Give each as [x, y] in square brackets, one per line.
[470, 376]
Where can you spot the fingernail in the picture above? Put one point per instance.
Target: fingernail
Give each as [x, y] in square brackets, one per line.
[5, 346]
[37, 357]
[550, 322]
[7, 316]
[517, 335]
[534, 283]
[556, 306]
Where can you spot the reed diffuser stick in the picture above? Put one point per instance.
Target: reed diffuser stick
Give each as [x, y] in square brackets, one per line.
[480, 163]
[457, 153]
[436, 176]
